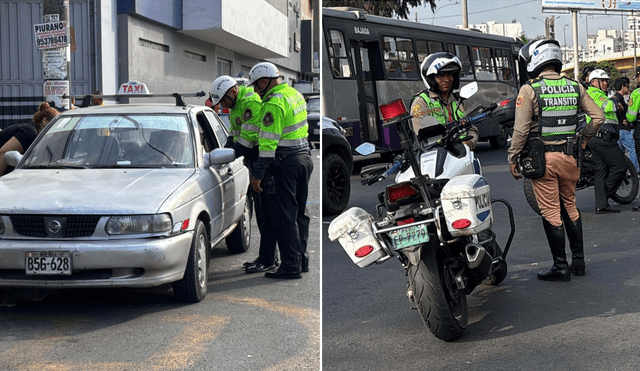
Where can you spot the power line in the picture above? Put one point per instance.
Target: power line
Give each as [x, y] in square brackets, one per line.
[488, 10]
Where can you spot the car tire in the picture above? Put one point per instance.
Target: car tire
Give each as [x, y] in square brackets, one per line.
[192, 288]
[336, 184]
[240, 239]
[500, 140]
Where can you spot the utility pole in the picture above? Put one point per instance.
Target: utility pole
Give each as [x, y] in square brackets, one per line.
[53, 38]
[465, 15]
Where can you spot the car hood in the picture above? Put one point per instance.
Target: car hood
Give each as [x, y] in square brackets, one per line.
[89, 191]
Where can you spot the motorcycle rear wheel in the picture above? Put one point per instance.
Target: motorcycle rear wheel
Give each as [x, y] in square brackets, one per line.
[441, 305]
[628, 189]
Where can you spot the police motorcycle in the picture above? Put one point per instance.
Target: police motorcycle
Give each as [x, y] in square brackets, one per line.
[436, 218]
[625, 194]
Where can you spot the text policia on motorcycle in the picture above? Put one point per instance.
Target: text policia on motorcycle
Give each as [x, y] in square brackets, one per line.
[555, 125]
[443, 239]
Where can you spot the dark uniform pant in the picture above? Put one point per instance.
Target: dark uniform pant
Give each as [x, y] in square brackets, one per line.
[610, 166]
[267, 251]
[286, 186]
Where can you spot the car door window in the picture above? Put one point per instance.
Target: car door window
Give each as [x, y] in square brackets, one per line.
[207, 137]
[218, 128]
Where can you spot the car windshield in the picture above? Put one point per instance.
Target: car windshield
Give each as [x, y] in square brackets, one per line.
[106, 141]
[313, 104]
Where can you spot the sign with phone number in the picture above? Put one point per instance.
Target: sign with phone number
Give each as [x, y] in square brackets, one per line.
[51, 35]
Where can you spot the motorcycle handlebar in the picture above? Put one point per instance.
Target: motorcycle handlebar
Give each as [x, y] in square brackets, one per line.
[397, 163]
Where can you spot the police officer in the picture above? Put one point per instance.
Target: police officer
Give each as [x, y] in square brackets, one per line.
[244, 107]
[547, 105]
[441, 75]
[284, 166]
[584, 79]
[632, 117]
[626, 143]
[609, 161]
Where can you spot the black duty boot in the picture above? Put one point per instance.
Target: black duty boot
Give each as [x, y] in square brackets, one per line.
[560, 269]
[574, 232]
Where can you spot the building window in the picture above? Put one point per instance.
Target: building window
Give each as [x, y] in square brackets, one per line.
[224, 67]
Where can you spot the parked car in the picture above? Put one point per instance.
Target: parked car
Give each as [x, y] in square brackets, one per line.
[131, 195]
[337, 165]
[313, 120]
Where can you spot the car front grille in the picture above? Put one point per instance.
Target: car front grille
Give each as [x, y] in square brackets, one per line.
[70, 226]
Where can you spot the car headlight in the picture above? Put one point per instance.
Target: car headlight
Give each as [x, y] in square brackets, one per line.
[138, 224]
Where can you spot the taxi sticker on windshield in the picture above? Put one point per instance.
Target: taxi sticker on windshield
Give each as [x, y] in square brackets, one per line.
[520, 100]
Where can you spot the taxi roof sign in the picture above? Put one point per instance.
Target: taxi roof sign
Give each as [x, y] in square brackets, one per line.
[133, 88]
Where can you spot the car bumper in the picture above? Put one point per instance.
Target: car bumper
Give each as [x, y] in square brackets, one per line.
[144, 262]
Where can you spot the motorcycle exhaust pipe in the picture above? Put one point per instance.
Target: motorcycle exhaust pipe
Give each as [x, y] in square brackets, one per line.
[475, 255]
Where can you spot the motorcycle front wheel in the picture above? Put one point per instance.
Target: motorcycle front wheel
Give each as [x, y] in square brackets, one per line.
[441, 305]
[628, 189]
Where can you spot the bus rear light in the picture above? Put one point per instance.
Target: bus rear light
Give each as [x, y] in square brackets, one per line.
[400, 192]
[504, 103]
[393, 110]
[461, 223]
[364, 251]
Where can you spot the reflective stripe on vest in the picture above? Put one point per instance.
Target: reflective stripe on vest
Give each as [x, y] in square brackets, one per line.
[244, 118]
[558, 107]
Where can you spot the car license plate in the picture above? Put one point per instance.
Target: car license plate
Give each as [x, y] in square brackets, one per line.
[410, 236]
[48, 262]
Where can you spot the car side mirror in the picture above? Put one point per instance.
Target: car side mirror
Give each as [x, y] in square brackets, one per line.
[12, 158]
[219, 156]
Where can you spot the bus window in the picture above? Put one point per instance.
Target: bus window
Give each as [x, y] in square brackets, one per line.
[399, 58]
[338, 55]
[484, 64]
[425, 48]
[503, 64]
[462, 52]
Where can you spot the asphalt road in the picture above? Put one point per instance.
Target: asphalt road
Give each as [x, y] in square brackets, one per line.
[589, 323]
[246, 322]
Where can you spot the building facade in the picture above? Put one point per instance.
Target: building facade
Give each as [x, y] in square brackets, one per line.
[170, 45]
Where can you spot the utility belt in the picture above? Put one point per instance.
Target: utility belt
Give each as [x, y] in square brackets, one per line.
[567, 148]
[608, 134]
[293, 154]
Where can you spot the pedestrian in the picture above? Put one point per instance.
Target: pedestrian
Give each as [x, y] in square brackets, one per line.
[609, 162]
[97, 101]
[547, 109]
[284, 167]
[20, 136]
[244, 107]
[626, 143]
[441, 75]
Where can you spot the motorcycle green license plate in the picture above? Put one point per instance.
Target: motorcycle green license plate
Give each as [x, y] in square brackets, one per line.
[410, 236]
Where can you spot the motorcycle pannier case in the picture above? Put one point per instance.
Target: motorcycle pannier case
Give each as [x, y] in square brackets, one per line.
[467, 205]
[353, 231]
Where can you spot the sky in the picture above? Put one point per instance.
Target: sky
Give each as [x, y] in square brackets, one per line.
[449, 14]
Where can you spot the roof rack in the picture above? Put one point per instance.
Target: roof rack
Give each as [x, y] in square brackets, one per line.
[135, 89]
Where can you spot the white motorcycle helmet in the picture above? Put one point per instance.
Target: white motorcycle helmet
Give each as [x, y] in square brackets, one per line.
[539, 54]
[220, 87]
[440, 62]
[263, 70]
[598, 74]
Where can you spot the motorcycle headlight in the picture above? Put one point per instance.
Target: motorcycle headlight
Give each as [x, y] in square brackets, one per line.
[138, 224]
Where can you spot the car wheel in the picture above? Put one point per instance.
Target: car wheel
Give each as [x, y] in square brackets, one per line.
[500, 140]
[192, 288]
[240, 239]
[336, 184]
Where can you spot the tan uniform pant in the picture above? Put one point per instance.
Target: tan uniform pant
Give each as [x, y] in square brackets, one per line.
[558, 182]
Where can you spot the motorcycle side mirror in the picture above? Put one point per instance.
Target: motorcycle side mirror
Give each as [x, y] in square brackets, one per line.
[469, 90]
[365, 149]
[375, 169]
